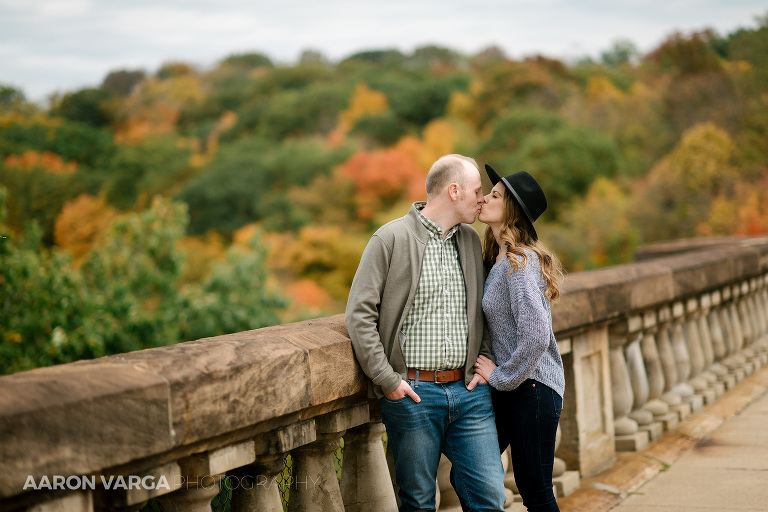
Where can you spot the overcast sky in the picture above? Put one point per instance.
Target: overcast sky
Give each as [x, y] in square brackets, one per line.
[64, 45]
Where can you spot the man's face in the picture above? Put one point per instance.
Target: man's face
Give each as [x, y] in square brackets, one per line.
[471, 197]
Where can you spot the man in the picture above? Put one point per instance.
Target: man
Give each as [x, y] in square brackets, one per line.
[416, 325]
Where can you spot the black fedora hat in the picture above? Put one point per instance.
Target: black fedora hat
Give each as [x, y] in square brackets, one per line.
[526, 191]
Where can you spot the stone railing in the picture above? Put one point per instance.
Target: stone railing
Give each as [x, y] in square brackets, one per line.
[643, 346]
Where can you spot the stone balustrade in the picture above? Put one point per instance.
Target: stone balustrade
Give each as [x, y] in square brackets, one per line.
[643, 345]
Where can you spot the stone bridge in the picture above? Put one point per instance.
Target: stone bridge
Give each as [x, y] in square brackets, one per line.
[643, 344]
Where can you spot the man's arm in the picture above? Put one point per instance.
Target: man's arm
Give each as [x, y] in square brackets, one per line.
[362, 315]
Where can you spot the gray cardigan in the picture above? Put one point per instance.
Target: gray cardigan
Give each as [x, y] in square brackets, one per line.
[383, 290]
[520, 322]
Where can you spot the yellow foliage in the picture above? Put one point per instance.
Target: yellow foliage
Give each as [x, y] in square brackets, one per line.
[439, 138]
[364, 101]
[200, 252]
[155, 107]
[327, 255]
[245, 234]
[701, 161]
[80, 223]
[460, 105]
[600, 88]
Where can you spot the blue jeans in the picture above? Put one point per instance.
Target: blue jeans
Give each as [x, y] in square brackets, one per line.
[451, 420]
[527, 419]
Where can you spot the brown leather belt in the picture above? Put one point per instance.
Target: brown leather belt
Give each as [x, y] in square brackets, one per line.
[437, 375]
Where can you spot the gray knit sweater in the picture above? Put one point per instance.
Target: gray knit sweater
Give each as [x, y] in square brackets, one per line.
[520, 323]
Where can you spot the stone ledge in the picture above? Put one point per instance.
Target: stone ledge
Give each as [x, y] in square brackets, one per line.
[600, 295]
[85, 417]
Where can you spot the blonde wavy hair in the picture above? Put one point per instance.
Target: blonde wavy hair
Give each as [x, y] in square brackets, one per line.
[517, 234]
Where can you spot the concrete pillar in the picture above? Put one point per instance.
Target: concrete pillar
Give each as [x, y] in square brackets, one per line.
[365, 482]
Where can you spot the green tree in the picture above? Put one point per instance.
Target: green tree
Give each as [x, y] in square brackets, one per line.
[122, 82]
[90, 106]
[566, 162]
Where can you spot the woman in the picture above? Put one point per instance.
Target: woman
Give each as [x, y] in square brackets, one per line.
[523, 277]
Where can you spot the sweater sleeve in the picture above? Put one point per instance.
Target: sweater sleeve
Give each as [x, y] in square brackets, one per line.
[529, 325]
[362, 315]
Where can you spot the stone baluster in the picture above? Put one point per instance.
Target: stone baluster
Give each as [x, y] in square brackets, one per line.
[738, 330]
[76, 501]
[669, 365]
[639, 380]
[194, 496]
[733, 360]
[256, 485]
[628, 436]
[683, 359]
[201, 474]
[315, 484]
[365, 481]
[760, 343]
[258, 488]
[747, 324]
[712, 372]
[157, 482]
[719, 348]
[761, 309]
[698, 381]
[755, 311]
[658, 407]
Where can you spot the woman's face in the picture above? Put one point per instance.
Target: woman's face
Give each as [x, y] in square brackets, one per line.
[493, 208]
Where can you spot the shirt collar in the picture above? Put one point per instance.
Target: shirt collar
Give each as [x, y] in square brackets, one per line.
[433, 228]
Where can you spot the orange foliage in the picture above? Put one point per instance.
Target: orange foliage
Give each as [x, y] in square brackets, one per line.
[745, 213]
[306, 293]
[80, 223]
[156, 106]
[31, 159]
[383, 177]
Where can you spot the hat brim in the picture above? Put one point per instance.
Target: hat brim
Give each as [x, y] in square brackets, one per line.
[492, 174]
[495, 178]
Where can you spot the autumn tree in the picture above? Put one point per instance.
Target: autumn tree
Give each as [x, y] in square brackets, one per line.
[678, 192]
[383, 177]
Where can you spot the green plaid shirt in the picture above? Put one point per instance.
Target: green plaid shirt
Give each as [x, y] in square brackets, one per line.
[435, 330]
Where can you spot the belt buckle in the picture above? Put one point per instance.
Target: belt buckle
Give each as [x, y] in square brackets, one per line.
[438, 375]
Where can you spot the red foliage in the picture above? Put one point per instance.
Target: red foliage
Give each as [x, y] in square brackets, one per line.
[383, 177]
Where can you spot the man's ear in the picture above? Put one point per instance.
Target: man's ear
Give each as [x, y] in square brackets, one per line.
[453, 191]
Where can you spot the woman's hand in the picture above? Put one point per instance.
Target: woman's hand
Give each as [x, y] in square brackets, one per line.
[484, 367]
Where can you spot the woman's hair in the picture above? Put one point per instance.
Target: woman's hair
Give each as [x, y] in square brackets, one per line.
[517, 234]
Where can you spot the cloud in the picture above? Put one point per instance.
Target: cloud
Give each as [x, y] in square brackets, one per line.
[67, 44]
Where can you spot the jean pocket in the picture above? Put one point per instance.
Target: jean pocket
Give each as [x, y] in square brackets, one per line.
[557, 402]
